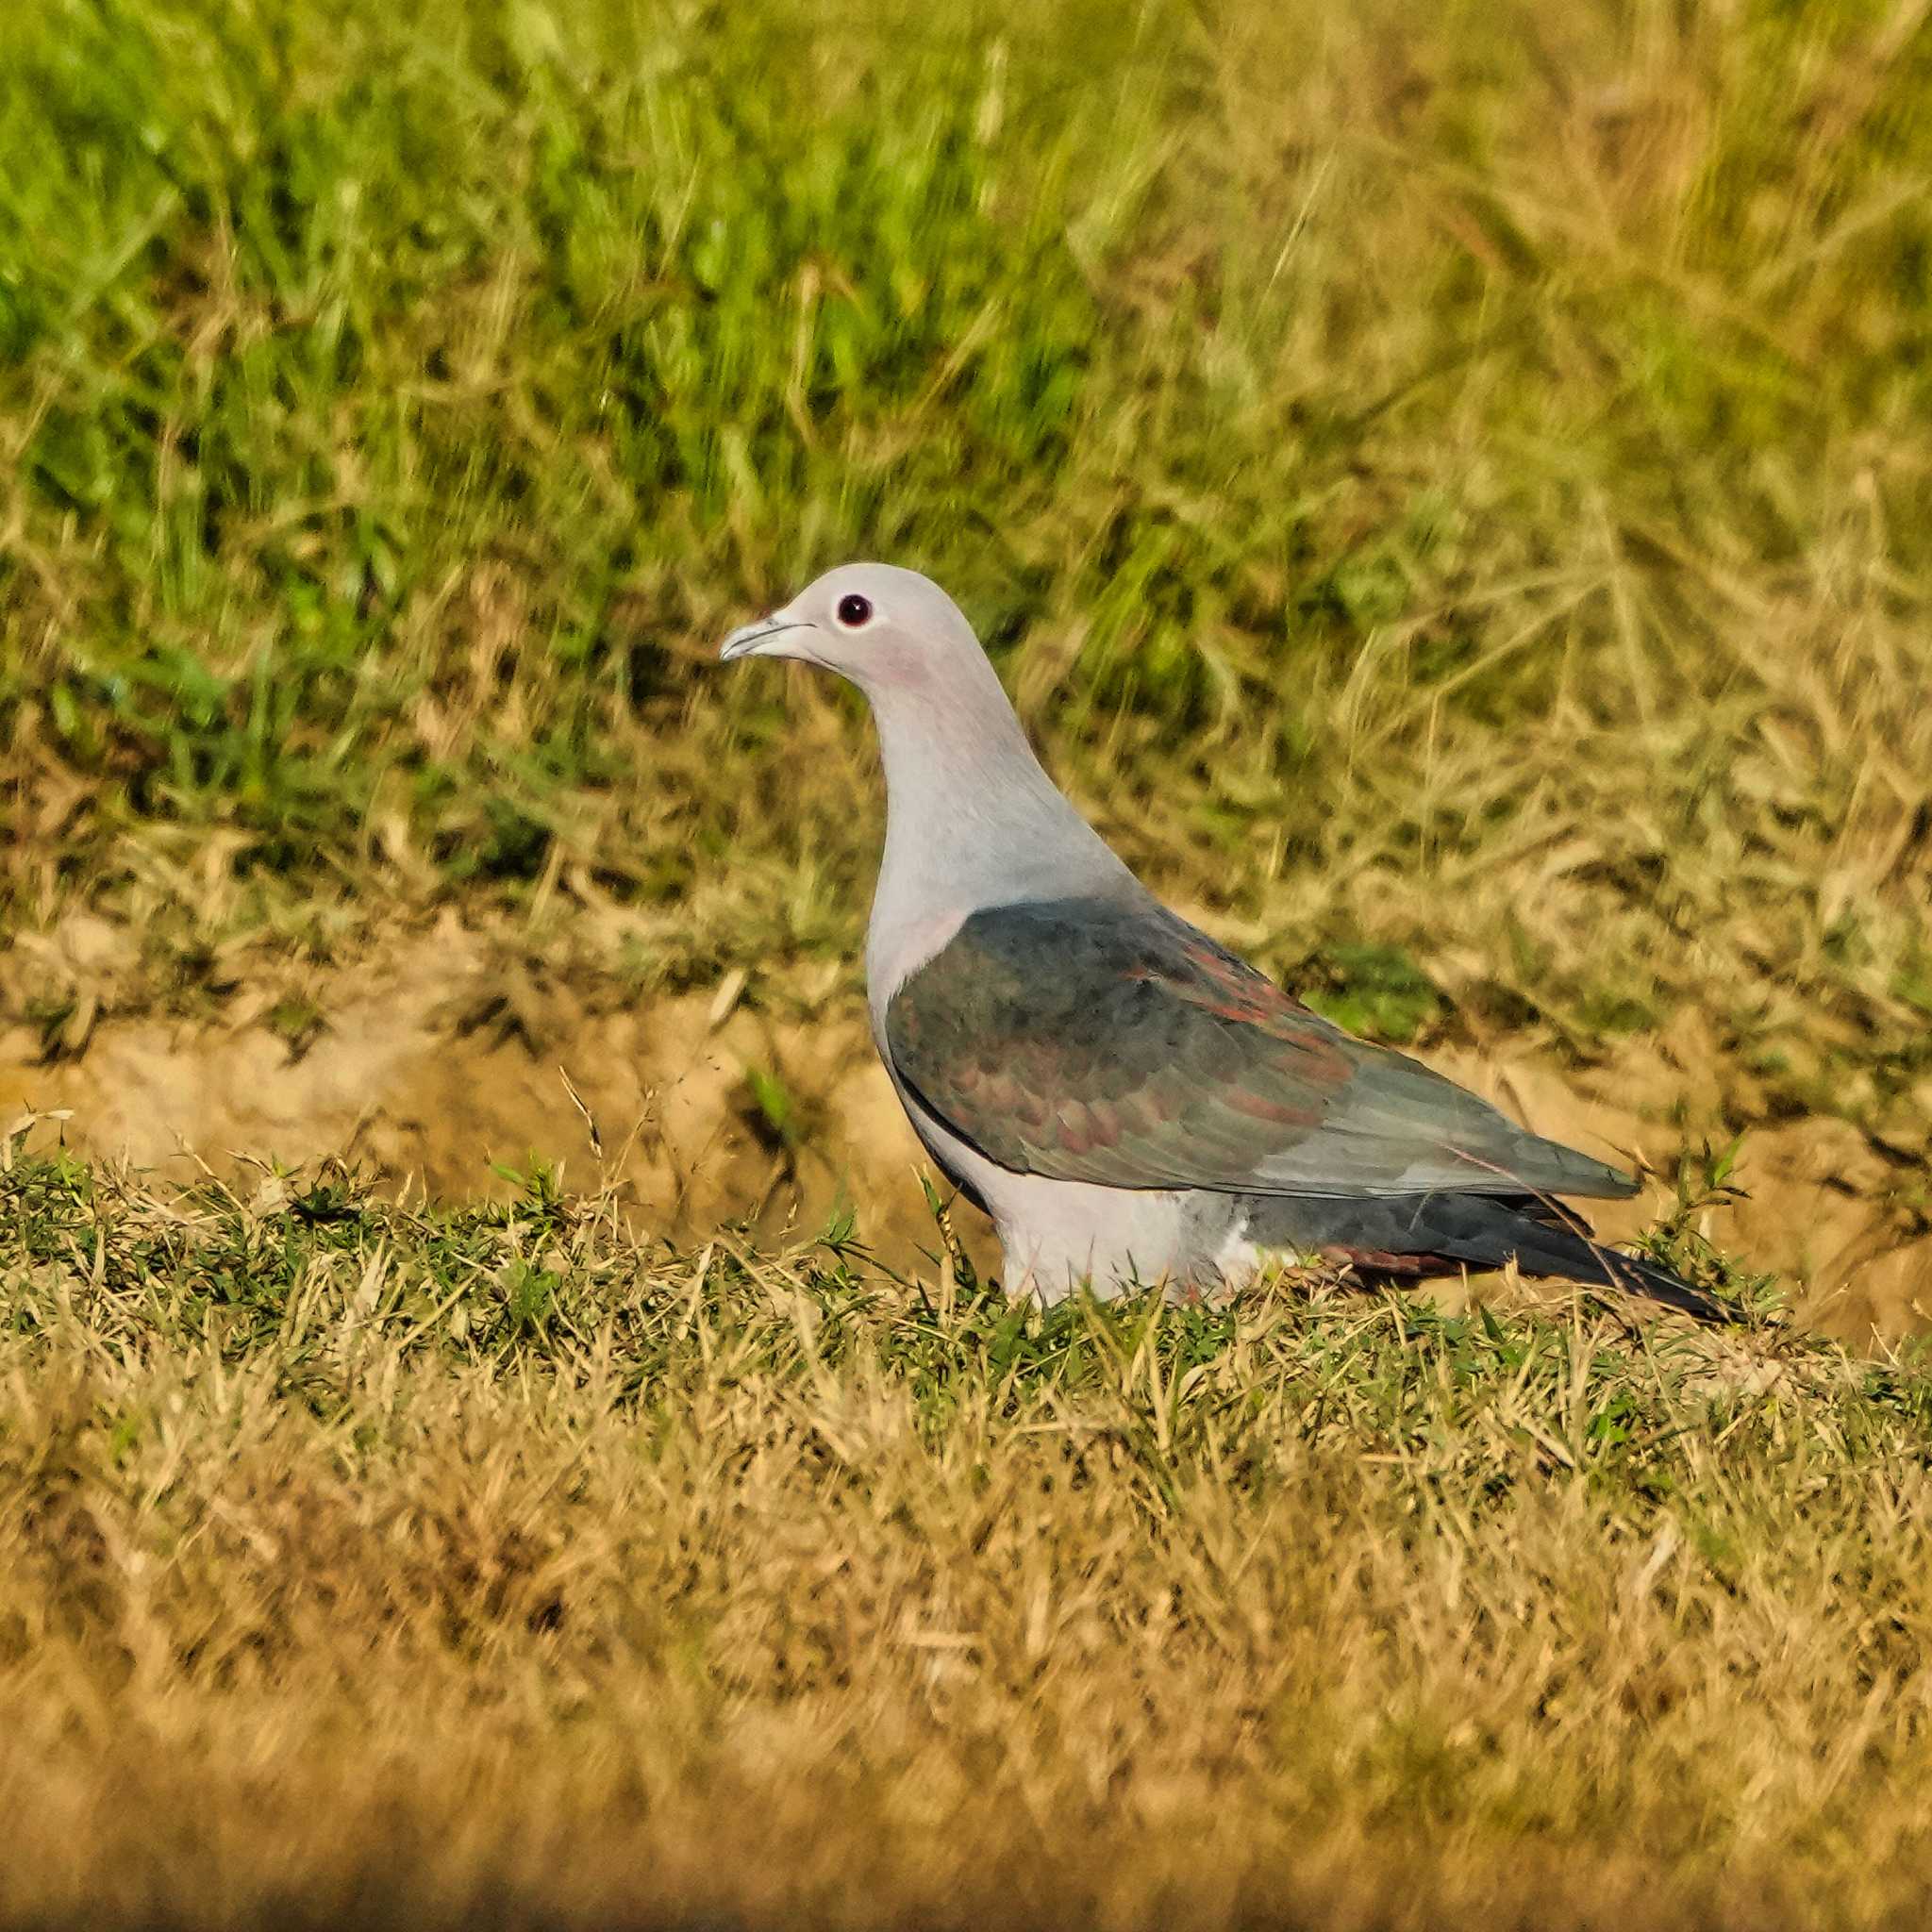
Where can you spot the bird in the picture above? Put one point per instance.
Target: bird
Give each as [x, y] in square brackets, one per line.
[1133, 1104]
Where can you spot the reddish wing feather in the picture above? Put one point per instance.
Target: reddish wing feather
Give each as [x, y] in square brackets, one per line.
[1096, 1045]
[1120, 1045]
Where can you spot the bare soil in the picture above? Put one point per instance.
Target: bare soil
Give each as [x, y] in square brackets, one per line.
[446, 1054]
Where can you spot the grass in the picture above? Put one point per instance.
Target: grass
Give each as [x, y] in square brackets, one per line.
[503, 1566]
[1451, 491]
[1454, 485]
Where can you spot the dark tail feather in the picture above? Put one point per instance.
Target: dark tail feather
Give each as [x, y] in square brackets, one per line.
[1430, 1234]
[1544, 1249]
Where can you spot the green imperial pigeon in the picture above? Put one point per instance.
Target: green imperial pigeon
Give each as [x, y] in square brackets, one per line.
[1127, 1099]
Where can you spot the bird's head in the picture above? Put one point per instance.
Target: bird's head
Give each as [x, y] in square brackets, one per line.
[883, 627]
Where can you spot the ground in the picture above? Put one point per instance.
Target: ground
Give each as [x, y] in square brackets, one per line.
[367, 1565]
[1449, 496]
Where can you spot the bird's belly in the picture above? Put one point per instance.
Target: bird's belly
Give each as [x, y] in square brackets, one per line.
[1057, 1235]
[1060, 1236]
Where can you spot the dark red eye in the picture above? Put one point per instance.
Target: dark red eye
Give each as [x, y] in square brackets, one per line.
[853, 610]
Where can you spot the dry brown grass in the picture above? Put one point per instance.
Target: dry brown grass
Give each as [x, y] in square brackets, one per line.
[361, 1566]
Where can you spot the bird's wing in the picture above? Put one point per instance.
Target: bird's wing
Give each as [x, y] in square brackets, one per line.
[1088, 1040]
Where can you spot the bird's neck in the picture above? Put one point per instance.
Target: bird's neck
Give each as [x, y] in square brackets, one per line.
[971, 820]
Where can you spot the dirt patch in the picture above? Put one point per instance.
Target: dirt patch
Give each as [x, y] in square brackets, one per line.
[1823, 1206]
[451, 1054]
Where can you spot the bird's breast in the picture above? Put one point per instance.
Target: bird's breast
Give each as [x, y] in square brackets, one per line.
[896, 946]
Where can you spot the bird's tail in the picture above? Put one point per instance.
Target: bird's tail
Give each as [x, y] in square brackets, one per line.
[1440, 1233]
[1543, 1248]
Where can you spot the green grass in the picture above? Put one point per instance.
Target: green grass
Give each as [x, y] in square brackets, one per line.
[1455, 484]
[506, 1566]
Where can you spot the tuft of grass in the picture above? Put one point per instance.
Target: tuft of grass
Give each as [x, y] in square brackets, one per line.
[505, 1563]
[1376, 991]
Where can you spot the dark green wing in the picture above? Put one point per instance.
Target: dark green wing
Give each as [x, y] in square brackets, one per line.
[1090, 1041]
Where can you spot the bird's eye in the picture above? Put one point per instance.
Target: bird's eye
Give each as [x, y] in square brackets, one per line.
[853, 610]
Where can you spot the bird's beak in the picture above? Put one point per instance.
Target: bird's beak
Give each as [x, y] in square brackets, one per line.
[755, 639]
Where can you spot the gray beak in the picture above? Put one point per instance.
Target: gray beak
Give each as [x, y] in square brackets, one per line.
[754, 639]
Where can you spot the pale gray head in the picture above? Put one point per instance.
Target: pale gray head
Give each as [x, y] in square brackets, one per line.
[885, 628]
[971, 818]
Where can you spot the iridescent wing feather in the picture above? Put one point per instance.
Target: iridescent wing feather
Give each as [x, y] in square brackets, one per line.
[1088, 1040]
